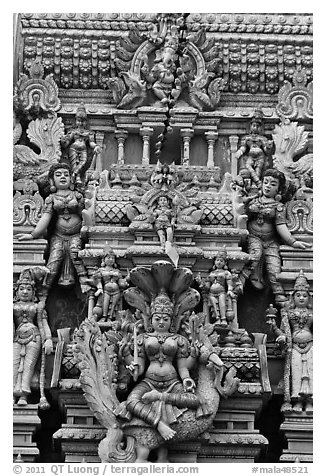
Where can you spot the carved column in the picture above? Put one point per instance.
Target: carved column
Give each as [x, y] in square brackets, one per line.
[234, 146]
[98, 165]
[211, 138]
[146, 133]
[121, 136]
[186, 135]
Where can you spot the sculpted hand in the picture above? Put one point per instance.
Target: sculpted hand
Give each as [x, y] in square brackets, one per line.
[189, 385]
[84, 287]
[23, 236]
[48, 346]
[231, 294]
[301, 244]
[131, 367]
[151, 396]
[281, 339]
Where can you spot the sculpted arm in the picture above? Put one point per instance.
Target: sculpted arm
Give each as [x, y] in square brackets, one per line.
[42, 225]
[286, 236]
[284, 232]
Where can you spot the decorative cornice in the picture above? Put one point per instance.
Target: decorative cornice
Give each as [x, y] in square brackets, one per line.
[258, 52]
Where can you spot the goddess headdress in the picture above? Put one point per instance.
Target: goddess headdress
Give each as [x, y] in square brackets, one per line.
[81, 111]
[301, 283]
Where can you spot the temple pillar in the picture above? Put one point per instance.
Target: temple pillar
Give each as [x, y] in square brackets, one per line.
[98, 163]
[146, 133]
[186, 135]
[121, 136]
[211, 138]
[234, 161]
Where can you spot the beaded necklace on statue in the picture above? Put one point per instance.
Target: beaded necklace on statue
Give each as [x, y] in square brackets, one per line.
[65, 199]
[261, 209]
[301, 317]
[161, 337]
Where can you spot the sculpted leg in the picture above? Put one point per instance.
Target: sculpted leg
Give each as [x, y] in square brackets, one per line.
[222, 306]
[142, 453]
[273, 267]
[165, 431]
[55, 259]
[255, 249]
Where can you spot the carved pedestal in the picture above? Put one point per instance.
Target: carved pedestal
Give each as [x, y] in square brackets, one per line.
[298, 430]
[79, 437]
[28, 253]
[25, 421]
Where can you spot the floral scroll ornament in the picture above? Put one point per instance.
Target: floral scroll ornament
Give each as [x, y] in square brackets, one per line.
[296, 101]
[35, 94]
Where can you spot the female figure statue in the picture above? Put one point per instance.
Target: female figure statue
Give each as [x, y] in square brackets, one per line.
[295, 333]
[81, 145]
[109, 283]
[267, 225]
[31, 334]
[256, 149]
[165, 357]
[64, 206]
[219, 285]
[164, 220]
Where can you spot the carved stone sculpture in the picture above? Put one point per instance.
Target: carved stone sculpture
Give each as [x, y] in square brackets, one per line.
[45, 133]
[166, 403]
[296, 338]
[64, 205]
[291, 140]
[255, 149]
[295, 101]
[267, 226]
[32, 337]
[218, 291]
[165, 86]
[109, 286]
[169, 68]
[35, 95]
[81, 145]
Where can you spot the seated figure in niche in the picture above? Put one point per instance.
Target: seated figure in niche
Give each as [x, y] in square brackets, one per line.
[165, 86]
[164, 220]
[81, 145]
[110, 284]
[32, 336]
[295, 334]
[255, 149]
[64, 206]
[166, 390]
[267, 227]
